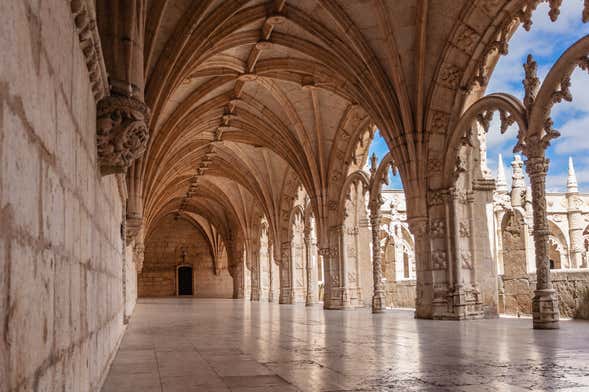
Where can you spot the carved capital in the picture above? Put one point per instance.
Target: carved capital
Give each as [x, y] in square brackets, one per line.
[328, 252]
[122, 132]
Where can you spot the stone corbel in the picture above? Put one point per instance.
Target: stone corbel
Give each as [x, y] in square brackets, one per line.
[122, 132]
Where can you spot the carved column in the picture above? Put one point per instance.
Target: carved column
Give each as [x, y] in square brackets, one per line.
[575, 218]
[285, 273]
[308, 265]
[270, 265]
[378, 298]
[122, 117]
[545, 302]
[255, 277]
[424, 285]
[331, 298]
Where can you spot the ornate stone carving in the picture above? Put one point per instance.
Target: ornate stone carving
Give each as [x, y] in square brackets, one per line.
[531, 82]
[450, 76]
[466, 259]
[436, 197]
[122, 132]
[439, 122]
[464, 230]
[90, 44]
[328, 252]
[434, 165]
[438, 228]
[466, 39]
[439, 261]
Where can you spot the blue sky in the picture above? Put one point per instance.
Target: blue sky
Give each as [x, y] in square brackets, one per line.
[546, 41]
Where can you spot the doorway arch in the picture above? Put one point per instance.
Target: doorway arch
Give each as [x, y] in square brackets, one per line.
[184, 280]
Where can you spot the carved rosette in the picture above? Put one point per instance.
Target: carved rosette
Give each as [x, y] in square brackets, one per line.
[122, 132]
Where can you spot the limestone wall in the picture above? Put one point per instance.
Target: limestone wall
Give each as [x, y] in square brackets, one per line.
[61, 305]
[178, 242]
[400, 294]
[572, 287]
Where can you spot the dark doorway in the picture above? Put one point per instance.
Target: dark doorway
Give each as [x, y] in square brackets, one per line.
[185, 281]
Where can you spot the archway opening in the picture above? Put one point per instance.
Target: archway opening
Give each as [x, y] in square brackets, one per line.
[185, 286]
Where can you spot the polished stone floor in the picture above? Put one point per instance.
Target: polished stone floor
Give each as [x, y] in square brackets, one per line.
[182, 344]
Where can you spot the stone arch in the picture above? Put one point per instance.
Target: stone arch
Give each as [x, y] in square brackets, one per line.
[557, 247]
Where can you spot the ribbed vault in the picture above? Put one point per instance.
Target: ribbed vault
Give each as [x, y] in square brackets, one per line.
[252, 99]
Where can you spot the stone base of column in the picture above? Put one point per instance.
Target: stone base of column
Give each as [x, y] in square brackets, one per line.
[270, 296]
[545, 310]
[255, 295]
[342, 298]
[309, 301]
[285, 296]
[378, 302]
[460, 304]
[466, 304]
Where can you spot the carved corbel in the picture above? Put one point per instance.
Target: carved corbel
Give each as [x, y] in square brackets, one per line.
[122, 132]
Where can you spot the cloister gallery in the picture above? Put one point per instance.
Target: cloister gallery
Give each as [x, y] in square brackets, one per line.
[213, 159]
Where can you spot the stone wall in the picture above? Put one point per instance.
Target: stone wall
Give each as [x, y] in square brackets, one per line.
[61, 303]
[178, 242]
[401, 294]
[572, 287]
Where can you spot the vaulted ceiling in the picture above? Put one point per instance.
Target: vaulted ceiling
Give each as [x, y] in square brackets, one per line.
[252, 98]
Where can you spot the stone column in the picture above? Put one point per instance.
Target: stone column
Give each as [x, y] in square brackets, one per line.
[122, 117]
[545, 302]
[255, 278]
[575, 218]
[378, 298]
[285, 273]
[424, 286]
[331, 296]
[308, 265]
[270, 285]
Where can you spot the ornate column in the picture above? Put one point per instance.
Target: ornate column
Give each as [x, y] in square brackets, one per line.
[575, 218]
[270, 265]
[122, 117]
[285, 273]
[308, 264]
[424, 285]
[545, 302]
[378, 298]
[255, 277]
[330, 278]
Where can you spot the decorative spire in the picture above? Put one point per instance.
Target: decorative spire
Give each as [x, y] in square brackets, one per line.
[501, 182]
[373, 163]
[572, 186]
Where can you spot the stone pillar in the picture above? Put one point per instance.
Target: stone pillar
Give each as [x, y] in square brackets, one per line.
[545, 302]
[378, 298]
[575, 218]
[331, 298]
[285, 271]
[270, 265]
[424, 286]
[122, 117]
[308, 265]
[255, 277]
